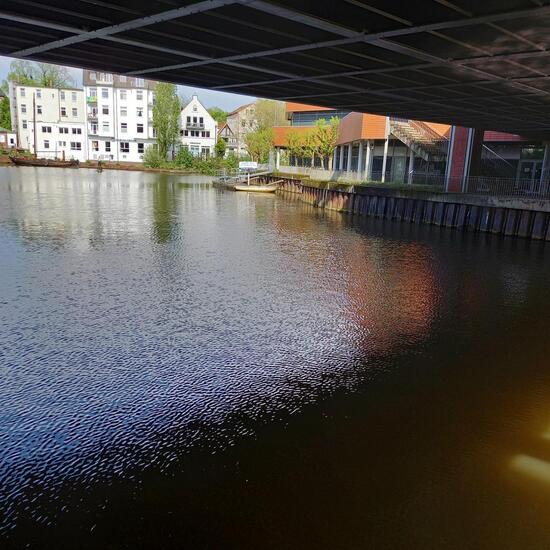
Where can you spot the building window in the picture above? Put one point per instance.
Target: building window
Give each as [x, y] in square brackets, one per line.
[63, 130]
[122, 78]
[123, 94]
[107, 146]
[140, 111]
[73, 96]
[63, 111]
[201, 120]
[46, 129]
[105, 109]
[95, 145]
[39, 109]
[105, 77]
[123, 111]
[123, 127]
[93, 76]
[186, 133]
[46, 144]
[93, 93]
[140, 148]
[124, 147]
[105, 126]
[62, 143]
[38, 94]
[93, 128]
[208, 133]
[105, 93]
[188, 120]
[139, 95]
[140, 82]
[77, 130]
[140, 128]
[22, 93]
[62, 95]
[24, 124]
[23, 108]
[76, 146]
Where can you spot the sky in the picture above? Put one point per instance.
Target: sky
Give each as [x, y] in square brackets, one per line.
[209, 98]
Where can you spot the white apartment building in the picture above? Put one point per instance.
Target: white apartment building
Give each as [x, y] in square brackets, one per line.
[119, 112]
[49, 122]
[198, 130]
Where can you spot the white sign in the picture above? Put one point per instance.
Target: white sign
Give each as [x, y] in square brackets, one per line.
[248, 165]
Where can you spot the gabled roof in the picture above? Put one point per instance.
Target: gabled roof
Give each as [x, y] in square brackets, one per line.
[223, 127]
[238, 109]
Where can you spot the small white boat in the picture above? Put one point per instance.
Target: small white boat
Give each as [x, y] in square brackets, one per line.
[268, 188]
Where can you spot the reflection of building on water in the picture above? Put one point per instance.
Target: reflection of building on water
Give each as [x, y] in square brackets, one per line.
[392, 298]
[78, 206]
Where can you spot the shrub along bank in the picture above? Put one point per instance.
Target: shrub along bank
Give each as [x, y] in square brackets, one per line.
[184, 160]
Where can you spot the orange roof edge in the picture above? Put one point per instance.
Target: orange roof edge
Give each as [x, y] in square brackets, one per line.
[302, 108]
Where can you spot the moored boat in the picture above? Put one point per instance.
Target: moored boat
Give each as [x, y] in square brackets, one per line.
[56, 163]
[268, 188]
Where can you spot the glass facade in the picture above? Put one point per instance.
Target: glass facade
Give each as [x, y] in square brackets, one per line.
[310, 118]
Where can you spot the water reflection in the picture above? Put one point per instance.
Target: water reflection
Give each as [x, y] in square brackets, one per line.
[169, 350]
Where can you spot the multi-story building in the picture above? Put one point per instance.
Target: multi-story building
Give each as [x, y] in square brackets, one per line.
[393, 149]
[241, 121]
[119, 113]
[49, 122]
[198, 130]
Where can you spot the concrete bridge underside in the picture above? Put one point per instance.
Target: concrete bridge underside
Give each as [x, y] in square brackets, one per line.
[474, 64]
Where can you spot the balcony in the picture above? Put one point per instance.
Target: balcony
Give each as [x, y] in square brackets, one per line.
[91, 99]
[194, 126]
[92, 116]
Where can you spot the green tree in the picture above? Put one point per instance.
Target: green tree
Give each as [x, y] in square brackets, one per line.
[294, 145]
[166, 111]
[39, 74]
[219, 115]
[5, 116]
[221, 146]
[184, 158]
[259, 143]
[301, 145]
[310, 146]
[152, 158]
[270, 113]
[326, 136]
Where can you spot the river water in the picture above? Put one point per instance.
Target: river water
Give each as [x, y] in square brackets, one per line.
[183, 367]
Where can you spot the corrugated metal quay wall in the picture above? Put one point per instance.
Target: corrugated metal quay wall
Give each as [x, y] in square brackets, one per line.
[526, 218]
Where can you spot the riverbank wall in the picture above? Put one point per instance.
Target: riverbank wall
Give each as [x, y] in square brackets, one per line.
[510, 216]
